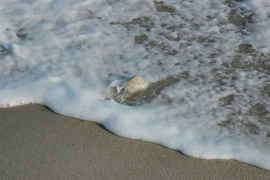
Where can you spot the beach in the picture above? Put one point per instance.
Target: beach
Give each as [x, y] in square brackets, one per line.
[37, 143]
[204, 71]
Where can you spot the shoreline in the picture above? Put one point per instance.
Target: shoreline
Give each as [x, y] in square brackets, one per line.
[37, 143]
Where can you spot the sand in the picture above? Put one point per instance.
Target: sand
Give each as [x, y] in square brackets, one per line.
[37, 143]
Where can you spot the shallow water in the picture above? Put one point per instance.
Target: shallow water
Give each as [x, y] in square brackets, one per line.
[207, 64]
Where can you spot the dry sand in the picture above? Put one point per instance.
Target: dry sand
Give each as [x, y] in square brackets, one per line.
[39, 144]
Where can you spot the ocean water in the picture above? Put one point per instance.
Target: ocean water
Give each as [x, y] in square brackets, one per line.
[207, 64]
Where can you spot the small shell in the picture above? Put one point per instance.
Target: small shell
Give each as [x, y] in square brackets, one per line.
[135, 84]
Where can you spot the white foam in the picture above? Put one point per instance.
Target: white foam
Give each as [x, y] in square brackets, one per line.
[65, 55]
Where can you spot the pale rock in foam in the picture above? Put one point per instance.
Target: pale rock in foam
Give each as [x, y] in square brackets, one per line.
[135, 84]
[119, 90]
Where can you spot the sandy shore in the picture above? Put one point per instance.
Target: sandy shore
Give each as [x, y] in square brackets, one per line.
[39, 144]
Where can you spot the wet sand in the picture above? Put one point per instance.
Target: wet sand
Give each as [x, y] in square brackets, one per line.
[39, 144]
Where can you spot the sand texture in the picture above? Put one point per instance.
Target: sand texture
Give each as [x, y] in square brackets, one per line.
[37, 143]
